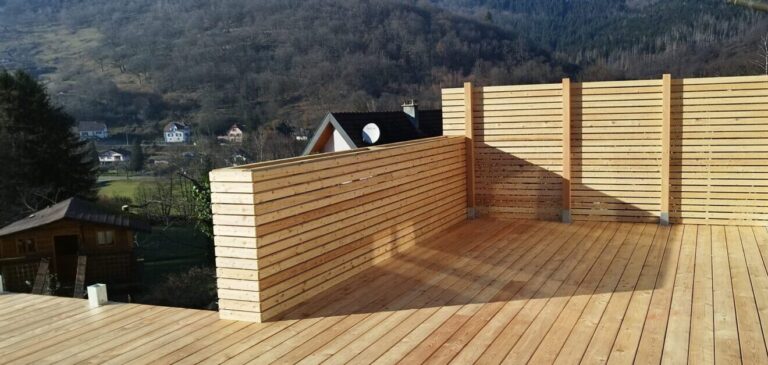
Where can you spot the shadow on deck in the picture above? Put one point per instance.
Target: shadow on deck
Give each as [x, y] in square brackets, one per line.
[487, 260]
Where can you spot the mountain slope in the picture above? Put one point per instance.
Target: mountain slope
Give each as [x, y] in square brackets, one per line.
[142, 62]
[215, 62]
[633, 38]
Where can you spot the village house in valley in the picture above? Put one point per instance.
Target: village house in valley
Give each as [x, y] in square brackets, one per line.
[346, 131]
[175, 132]
[234, 135]
[111, 157]
[61, 233]
[92, 130]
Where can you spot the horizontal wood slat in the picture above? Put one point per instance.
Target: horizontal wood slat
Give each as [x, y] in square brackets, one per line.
[720, 128]
[287, 231]
[712, 151]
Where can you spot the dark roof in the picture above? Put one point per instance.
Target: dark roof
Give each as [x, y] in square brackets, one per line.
[394, 126]
[76, 209]
[121, 151]
[91, 126]
[178, 125]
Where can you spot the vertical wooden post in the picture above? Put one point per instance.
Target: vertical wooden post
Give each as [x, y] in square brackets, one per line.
[565, 214]
[2, 285]
[666, 141]
[469, 131]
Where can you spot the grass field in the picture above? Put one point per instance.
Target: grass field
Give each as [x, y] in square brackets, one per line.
[122, 187]
[169, 250]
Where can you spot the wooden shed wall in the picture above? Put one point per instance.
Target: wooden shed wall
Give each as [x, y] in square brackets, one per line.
[690, 149]
[288, 231]
[86, 232]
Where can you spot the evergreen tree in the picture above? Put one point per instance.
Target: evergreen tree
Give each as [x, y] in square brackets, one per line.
[93, 152]
[43, 161]
[137, 157]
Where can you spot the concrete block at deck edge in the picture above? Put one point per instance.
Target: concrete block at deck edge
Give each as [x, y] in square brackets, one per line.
[565, 216]
[97, 295]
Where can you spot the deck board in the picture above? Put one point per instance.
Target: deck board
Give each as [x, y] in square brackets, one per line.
[486, 291]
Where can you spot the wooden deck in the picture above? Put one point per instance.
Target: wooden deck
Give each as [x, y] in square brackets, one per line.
[485, 292]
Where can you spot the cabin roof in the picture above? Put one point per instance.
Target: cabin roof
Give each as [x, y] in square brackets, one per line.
[75, 209]
[119, 151]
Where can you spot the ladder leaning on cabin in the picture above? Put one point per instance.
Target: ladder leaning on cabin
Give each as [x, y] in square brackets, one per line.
[41, 279]
[79, 291]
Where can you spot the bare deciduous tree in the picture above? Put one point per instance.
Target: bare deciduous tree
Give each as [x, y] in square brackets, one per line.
[761, 60]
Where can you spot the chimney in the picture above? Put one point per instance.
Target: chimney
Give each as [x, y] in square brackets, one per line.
[411, 108]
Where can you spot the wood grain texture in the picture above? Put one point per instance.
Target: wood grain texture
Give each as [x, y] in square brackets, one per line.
[469, 130]
[692, 149]
[485, 291]
[302, 225]
[567, 137]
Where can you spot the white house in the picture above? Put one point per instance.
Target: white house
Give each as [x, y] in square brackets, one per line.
[92, 130]
[109, 157]
[177, 133]
[233, 135]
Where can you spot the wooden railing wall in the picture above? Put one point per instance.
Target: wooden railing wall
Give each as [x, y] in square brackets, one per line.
[288, 230]
[669, 150]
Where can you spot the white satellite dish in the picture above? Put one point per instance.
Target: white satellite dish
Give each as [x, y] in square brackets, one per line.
[371, 133]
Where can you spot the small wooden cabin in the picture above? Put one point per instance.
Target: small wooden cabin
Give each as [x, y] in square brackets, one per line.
[63, 232]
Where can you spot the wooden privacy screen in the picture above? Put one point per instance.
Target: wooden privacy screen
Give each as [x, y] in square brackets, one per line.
[617, 150]
[287, 230]
[689, 150]
[518, 147]
[720, 150]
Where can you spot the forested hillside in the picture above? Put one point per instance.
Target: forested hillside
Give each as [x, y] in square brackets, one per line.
[139, 63]
[256, 62]
[634, 38]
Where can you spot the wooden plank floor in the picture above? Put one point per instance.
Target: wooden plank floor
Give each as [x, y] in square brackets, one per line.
[485, 292]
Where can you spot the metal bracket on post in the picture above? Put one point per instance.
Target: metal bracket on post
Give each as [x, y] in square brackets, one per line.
[471, 213]
[97, 295]
[565, 215]
[664, 219]
[2, 285]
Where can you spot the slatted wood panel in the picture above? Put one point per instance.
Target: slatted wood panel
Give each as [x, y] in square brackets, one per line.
[453, 112]
[41, 279]
[518, 148]
[287, 231]
[713, 155]
[617, 150]
[484, 292]
[79, 290]
[719, 168]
